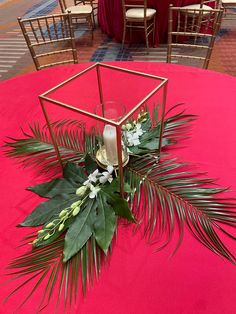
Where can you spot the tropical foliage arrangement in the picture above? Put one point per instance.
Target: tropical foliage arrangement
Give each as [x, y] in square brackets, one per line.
[77, 223]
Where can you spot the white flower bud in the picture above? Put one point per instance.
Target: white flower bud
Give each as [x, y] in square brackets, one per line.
[75, 204]
[80, 191]
[61, 227]
[63, 213]
[76, 211]
[128, 126]
[50, 225]
[47, 236]
[40, 231]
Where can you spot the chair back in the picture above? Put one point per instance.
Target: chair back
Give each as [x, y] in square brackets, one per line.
[50, 38]
[91, 2]
[133, 4]
[63, 5]
[191, 35]
[214, 4]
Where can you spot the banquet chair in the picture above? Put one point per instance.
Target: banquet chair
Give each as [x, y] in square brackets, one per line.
[229, 7]
[94, 5]
[136, 15]
[79, 12]
[50, 39]
[193, 40]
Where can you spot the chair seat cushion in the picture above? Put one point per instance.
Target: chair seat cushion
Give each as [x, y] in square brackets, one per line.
[80, 9]
[138, 13]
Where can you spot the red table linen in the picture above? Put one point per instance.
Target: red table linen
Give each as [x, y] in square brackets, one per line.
[135, 280]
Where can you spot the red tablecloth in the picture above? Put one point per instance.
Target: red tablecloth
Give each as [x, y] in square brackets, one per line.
[110, 17]
[136, 280]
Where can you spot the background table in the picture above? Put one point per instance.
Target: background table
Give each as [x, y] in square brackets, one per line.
[136, 280]
[110, 17]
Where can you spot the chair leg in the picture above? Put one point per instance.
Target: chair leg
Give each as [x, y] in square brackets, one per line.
[146, 36]
[153, 30]
[93, 18]
[91, 26]
[224, 10]
[130, 31]
[124, 34]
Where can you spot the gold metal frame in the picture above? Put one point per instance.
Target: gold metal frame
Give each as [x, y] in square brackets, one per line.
[192, 24]
[52, 32]
[44, 98]
[147, 23]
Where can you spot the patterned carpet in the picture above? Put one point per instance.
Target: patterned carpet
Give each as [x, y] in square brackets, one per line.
[223, 57]
[42, 8]
[224, 52]
[15, 58]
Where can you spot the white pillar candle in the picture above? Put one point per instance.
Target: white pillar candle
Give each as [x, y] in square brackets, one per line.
[109, 138]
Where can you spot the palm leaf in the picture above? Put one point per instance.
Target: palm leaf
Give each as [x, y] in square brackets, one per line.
[46, 266]
[37, 150]
[174, 197]
[177, 126]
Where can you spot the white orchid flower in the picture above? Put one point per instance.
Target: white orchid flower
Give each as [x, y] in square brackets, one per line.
[139, 130]
[94, 191]
[135, 139]
[107, 175]
[129, 138]
[92, 177]
[134, 135]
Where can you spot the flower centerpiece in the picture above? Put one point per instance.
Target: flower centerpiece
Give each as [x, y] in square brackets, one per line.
[93, 189]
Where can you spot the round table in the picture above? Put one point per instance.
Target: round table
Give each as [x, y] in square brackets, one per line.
[136, 280]
[110, 17]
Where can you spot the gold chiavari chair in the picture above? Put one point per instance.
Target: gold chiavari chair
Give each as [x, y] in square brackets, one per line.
[229, 7]
[93, 4]
[50, 39]
[136, 15]
[192, 38]
[80, 12]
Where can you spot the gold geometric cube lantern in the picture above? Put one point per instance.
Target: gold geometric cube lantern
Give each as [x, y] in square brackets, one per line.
[105, 97]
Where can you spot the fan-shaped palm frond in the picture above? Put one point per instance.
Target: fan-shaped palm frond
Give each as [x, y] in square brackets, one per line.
[45, 265]
[168, 197]
[37, 149]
